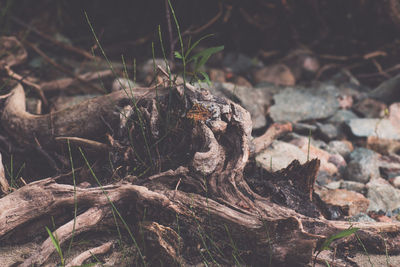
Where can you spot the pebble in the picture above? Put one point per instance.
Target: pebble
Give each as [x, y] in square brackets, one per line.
[370, 108]
[279, 155]
[382, 195]
[362, 166]
[352, 201]
[301, 104]
[381, 128]
[342, 148]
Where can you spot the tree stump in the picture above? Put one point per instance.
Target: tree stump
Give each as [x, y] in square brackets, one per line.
[182, 188]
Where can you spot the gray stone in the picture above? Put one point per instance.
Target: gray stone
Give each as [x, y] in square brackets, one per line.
[340, 147]
[370, 108]
[363, 165]
[342, 115]
[239, 62]
[254, 100]
[353, 186]
[382, 195]
[123, 84]
[327, 131]
[333, 185]
[147, 68]
[280, 154]
[300, 104]
[388, 90]
[304, 128]
[381, 128]
[324, 178]
[361, 217]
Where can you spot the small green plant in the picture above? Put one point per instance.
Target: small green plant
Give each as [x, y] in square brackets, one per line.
[56, 244]
[198, 60]
[11, 172]
[75, 198]
[326, 244]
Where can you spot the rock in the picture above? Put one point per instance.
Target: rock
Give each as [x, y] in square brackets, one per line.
[389, 166]
[396, 213]
[330, 163]
[238, 63]
[354, 202]
[353, 186]
[278, 74]
[342, 148]
[379, 217]
[217, 75]
[370, 108]
[333, 185]
[304, 128]
[280, 154]
[254, 100]
[241, 81]
[382, 195]
[387, 91]
[341, 116]
[363, 165]
[382, 128]
[344, 77]
[361, 217]
[324, 178]
[394, 115]
[300, 104]
[302, 63]
[383, 146]
[147, 68]
[327, 131]
[123, 84]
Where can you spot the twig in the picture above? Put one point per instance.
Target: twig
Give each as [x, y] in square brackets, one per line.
[380, 70]
[5, 96]
[62, 84]
[334, 57]
[274, 131]
[375, 54]
[21, 79]
[203, 27]
[85, 142]
[52, 40]
[325, 68]
[169, 25]
[209, 23]
[61, 68]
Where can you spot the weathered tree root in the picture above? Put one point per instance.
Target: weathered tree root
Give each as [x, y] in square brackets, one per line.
[84, 120]
[78, 261]
[206, 203]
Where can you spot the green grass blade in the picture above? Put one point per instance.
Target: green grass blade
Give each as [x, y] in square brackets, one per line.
[56, 245]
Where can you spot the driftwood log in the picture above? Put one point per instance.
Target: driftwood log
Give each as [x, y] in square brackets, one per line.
[186, 192]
